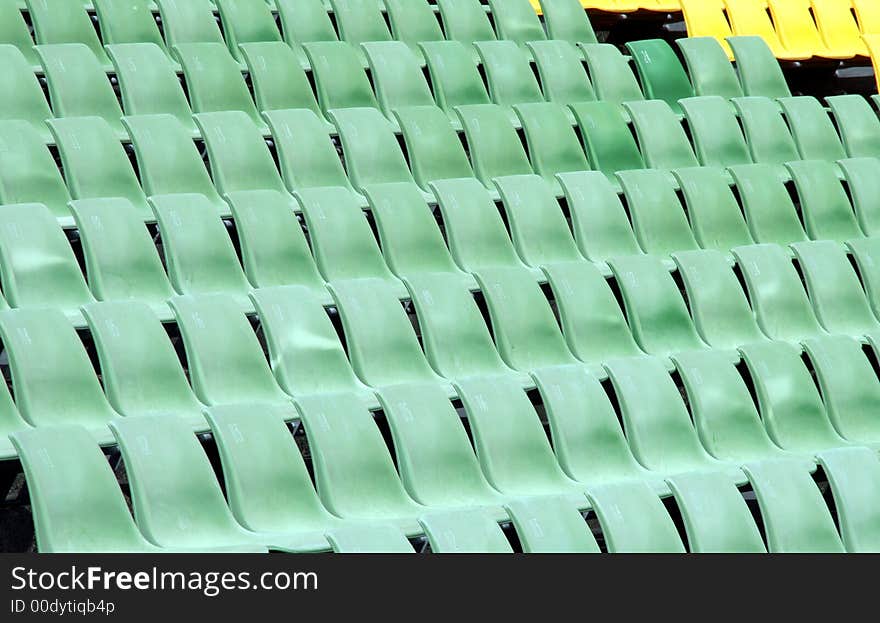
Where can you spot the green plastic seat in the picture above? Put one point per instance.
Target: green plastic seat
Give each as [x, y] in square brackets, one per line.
[256, 449]
[273, 249]
[95, 163]
[189, 22]
[662, 140]
[526, 332]
[214, 81]
[465, 21]
[552, 144]
[656, 421]
[561, 71]
[537, 225]
[857, 123]
[610, 72]
[788, 399]
[304, 350]
[609, 144]
[767, 204]
[315, 167]
[413, 21]
[854, 475]
[657, 314]
[433, 147]
[717, 303]
[21, 97]
[551, 525]
[508, 74]
[435, 458]
[814, 133]
[724, 414]
[339, 76]
[304, 21]
[369, 145]
[862, 177]
[53, 381]
[601, 227]
[14, 31]
[509, 439]
[464, 532]
[716, 517]
[849, 386]
[658, 218]
[238, 156]
[592, 321]
[225, 361]
[176, 498]
[475, 232]
[709, 69]
[776, 293]
[795, 516]
[586, 433]
[660, 72]
[493, 144]
[121, 261]
[827, 212]
[130, 21]
[168, 160]
[634, 520]
[369, 539]
[341, 239]
[566, 20]
[516, 20]
[411, 242]
[718, 139]
[149, 83]
[834, 288]
[28, 173]
[758, 70]
[397, 76]
[278, 82]
[10, 419]
[359, 21]
[354, 472]
[199, 255]
[768, 136]
[61, 22]
[140, 371]
[37, 264]
[454, 335]
[385, 357]
[78, 86]
[866, 255]
[246, 21]
[455, 80]
[713, 212]
[77, 505]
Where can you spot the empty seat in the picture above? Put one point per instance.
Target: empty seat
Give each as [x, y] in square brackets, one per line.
[38, 267]
[862, 176]
[516, 20]
[95, 163]
[662, 140]
[305, 352]
[21, 97]
[751, 17]
[769, 138]
[494, 146]
[854, 475]
[413, 21]
[246, 21]
[78, 86]
[225, 361]
[718, 138]
[826, 210]
[14, 31]
[612, 77]
[339, 77]
[60, 21]
[384, 357]
[857, 123]
[633, 519]
[657, 314]
[149, 83]
[657, 216]
[168, 160]
[813, 131]
[776, 293]
[508, 73]
[550, 524]
[609, 143]
[397, 76]
[189, 22]
[455, 80]
[566, 20]
[305, 21]
[713, 211]
[561, 71]
[369, 539]
[552, 144]
[759, 72]
[278, 83]
[796, 22]
[769, 209]
[866, 253]
[465, 21]
[433, 147]
[125, 22]
[359, 21]
[199, 255]
[464, 532]
[707, 19]
[28, 173]
[709, 68]
[661, 75]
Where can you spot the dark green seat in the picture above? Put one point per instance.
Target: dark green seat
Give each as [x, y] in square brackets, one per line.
[660, 72]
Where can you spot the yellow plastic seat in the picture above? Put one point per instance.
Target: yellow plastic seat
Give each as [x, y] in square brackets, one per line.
[750, 17]
[797, 30]
[868, 16]
[838, 27]
[873, 43]
[615, 6]
[706, 18]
